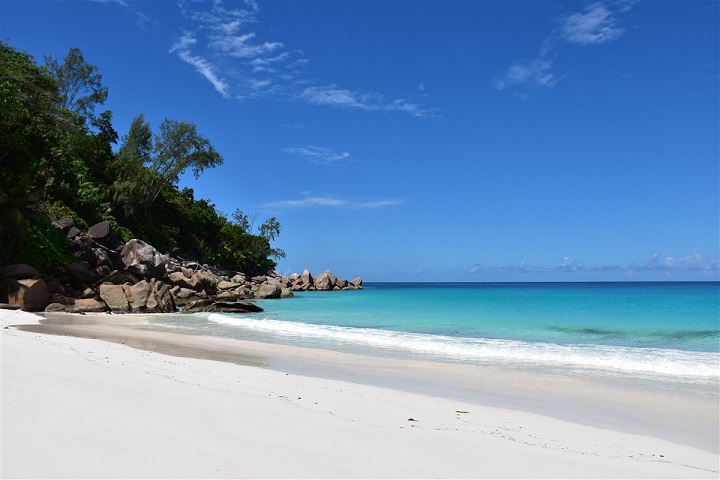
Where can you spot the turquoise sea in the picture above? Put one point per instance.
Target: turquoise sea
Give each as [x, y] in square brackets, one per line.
[665, 331]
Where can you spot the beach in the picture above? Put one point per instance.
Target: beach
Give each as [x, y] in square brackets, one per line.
[128, 402]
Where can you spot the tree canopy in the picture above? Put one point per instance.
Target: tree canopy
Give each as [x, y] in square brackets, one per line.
[57, 160]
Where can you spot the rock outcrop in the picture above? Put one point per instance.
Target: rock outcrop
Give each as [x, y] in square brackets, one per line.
[109, 276]
[27, 293]
[142, 258]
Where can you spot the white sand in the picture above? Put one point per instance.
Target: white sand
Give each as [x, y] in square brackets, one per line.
[81, 408]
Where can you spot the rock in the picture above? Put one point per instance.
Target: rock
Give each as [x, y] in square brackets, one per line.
[165, 303]
[355, 282]
[183, 296]
[325, 281]
[114, 297]
[119, 277]
[138, 295]
[102, 271]
[199, 281]
[64, 224]
[80, 273]
[227, 296]
[341, 284]
[26, 294]
[182, 281]
[225, 285]
[239, 278]
[87, 305]
[224, 307]
[68, 227]
[73, 232]
[19, 271]
[102, 233]
[259, 279]
[87, 292]
[143, 259]
[100, 257]
[56, 307]
[205, 280]
[285, 292]
[268, 290]
[306, 278]
[55, 286]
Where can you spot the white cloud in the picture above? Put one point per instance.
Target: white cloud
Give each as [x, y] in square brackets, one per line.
[238, 46]
[533, 73]
[183, 43]
[320, 155]
[326, 201]
[692, 262]
[597, 25]
[223, 48]
[205, 69]
[331, 95]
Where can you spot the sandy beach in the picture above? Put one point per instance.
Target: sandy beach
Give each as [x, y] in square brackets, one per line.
[97, 396]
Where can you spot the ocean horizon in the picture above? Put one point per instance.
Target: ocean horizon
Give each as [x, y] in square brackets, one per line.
[663, 333]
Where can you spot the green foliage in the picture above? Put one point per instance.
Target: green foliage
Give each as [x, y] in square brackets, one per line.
[147, 165]
[122, 233]
[60, 210]
[45, 247]
[56, 161]
[79, 84]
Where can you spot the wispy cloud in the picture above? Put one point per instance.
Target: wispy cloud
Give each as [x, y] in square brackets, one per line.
[140, 18]
[231, 56]
[319, 155]
[595, 25]
[331, 95]
[327, 201]
[338, 97]
[203, 67]
[533, 73]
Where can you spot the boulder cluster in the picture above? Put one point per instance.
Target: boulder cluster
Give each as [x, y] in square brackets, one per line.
[133, 277]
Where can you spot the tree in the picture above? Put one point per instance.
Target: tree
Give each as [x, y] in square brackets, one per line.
[132, 180]
[244, 221]
[259, 245]
[78, 174]
[145, 196]
[269, 231]
[178, 147]
[79, 83]
[147, 164]
[29, 118]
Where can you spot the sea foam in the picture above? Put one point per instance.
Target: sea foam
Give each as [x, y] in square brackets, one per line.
[696, 366]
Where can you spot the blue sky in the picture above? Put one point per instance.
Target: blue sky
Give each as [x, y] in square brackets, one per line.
[431, 140]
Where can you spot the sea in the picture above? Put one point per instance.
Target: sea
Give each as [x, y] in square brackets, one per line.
[665, 332]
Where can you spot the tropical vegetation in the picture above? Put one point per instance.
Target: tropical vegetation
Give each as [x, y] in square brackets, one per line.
[61, 157]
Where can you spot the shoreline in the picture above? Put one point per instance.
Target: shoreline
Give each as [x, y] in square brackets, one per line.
[563, 410]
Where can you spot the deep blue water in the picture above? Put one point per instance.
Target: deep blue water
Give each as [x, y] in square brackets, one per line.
[648, 329]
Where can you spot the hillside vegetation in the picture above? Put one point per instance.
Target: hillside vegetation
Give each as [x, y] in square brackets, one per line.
[61, 157]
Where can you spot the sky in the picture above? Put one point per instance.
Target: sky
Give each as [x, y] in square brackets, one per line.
[428, 140]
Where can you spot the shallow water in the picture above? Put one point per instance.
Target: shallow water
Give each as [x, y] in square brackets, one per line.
[667, 332]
